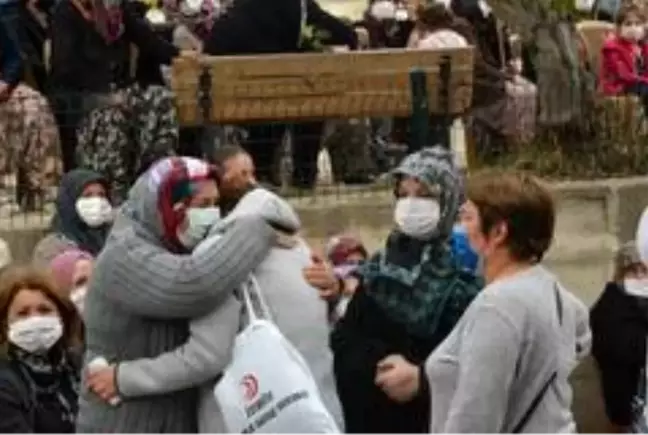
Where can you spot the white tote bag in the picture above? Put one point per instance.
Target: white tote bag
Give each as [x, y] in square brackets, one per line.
[268, 387]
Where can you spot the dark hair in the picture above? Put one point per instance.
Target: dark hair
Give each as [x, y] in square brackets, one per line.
[226, 152]
[629, 9]
[435, 16]
[17, 278]
[523, 203]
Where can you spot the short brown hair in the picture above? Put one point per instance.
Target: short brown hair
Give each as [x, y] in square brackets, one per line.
[226, 152]
[521, 201]
[17, 278]
[434, 16]
[629, 9]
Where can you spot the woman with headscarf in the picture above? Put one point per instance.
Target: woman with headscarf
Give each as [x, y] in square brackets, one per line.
[208, 351]
[82, 219]
[121, 127]
[409, 297]
[150, 280]
[72, 270]
[619, 322]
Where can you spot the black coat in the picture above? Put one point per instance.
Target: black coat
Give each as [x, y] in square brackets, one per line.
[363, 337]
[272, 26]
[22, 410]
[83, 61]
[619, 325]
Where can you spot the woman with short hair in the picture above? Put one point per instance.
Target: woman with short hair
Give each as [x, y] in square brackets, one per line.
[505, 367]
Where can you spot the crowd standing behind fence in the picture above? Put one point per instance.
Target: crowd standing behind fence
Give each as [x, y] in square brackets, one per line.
[155, 251]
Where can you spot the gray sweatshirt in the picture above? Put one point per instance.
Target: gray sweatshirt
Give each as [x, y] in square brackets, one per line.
[296, 309]
[488, 371]
[141, 297]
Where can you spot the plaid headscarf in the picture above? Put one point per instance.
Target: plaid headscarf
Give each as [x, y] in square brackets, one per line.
[420, 284]
[153, 202]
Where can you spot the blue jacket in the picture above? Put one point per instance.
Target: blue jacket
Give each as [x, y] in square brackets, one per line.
[11, 62]
[461, 248]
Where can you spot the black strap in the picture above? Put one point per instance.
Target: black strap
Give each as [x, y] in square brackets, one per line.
[536, 401]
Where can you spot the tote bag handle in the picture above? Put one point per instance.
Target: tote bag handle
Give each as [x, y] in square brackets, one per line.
[249, 287]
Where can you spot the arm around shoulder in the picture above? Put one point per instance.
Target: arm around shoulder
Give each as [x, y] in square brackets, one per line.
[152, 282]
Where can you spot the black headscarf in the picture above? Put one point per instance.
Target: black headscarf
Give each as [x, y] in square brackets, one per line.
[66, 220]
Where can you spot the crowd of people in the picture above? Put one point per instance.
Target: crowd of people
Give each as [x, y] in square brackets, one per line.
[136, 304]
[77, 94]
[454, 325]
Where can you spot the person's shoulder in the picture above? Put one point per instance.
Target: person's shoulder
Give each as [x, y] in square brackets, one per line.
[613, 42]
[519, 293]
[11, 383]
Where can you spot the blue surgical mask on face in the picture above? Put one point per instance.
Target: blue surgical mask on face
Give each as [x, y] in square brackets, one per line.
[200, 221]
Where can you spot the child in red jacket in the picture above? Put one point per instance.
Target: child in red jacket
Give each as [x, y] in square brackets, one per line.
[624, 68]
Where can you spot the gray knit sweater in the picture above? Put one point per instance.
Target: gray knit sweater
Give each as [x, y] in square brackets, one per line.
[208, 351]
[141, 297]
[513, 337]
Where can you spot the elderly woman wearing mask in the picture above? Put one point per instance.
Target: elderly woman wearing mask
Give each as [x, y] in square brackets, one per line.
[620, 329]
[149, 282]
[409, 297]
[207, 352]
[72, 271]
[505, 367]
[83, 217]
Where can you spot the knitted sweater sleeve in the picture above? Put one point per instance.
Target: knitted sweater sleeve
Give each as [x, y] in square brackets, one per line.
[152, 282]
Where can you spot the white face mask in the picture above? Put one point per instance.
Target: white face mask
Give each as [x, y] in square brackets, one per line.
[417, 217]
[636, 287]
[200, 222]
[94, 210]
[633, 32]
[78, 296]
[36, 334]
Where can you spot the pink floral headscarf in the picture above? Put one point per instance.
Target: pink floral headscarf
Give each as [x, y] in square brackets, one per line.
[64, 264]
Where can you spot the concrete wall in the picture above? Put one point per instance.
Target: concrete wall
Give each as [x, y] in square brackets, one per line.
[594, 217]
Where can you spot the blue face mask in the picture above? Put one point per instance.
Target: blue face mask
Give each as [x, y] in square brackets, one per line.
[200, 221]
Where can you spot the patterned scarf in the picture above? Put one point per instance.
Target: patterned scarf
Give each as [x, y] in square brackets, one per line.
[420, 284]
[50, 375]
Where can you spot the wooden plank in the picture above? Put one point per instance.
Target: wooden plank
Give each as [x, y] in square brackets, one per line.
[318, 85]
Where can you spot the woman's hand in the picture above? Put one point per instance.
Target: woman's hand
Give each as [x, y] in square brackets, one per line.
[103, 382]
[398, 378]
[321, 276]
